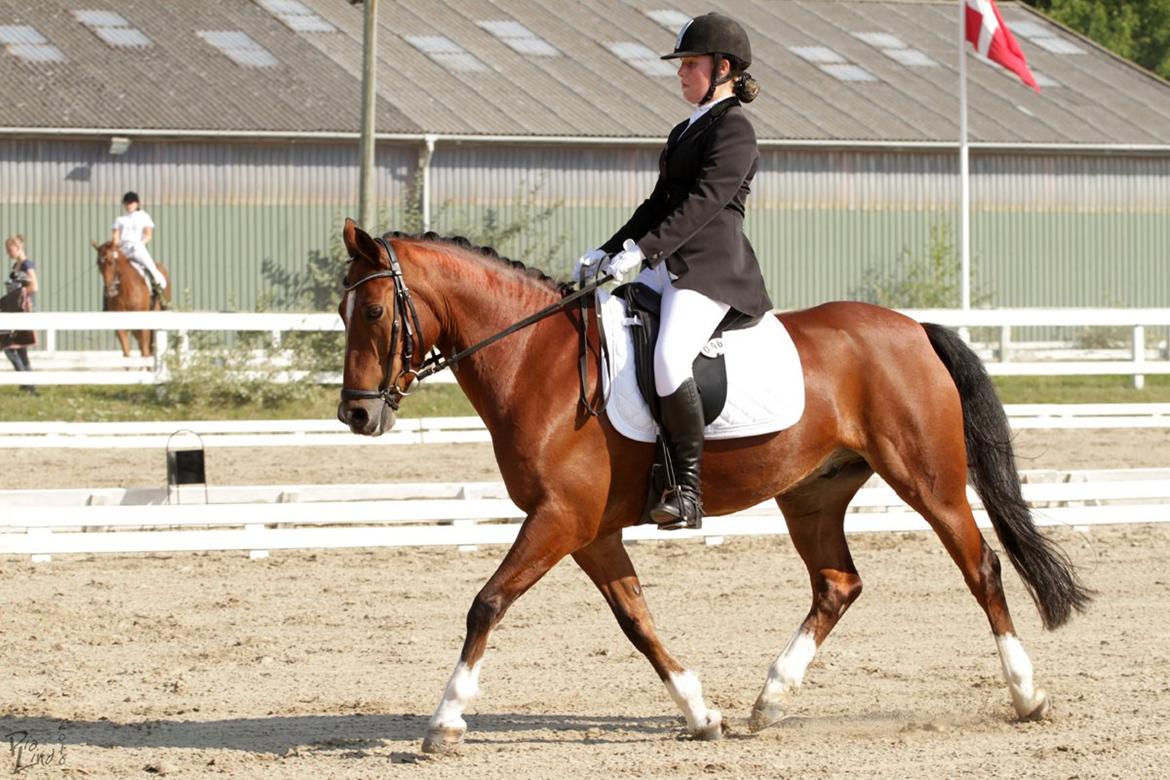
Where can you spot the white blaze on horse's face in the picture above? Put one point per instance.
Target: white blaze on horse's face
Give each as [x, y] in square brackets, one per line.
[364, 416]
[350, 302]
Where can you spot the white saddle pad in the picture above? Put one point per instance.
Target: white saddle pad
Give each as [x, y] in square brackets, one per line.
[765, 383]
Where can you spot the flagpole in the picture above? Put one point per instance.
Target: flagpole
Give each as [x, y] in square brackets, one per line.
[964, 169]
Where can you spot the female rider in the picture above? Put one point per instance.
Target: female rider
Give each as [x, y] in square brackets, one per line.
[689, 236]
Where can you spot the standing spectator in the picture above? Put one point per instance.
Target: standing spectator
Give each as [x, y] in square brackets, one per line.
[132, 231]
[21, 287]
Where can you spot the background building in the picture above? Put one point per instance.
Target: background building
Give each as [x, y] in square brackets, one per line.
[236, 121]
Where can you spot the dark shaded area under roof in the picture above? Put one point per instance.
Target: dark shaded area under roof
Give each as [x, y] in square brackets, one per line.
[458, 77]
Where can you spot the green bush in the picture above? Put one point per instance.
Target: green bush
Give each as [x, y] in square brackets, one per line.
[927, 279]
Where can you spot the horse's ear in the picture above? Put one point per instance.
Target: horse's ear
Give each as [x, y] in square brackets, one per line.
[94, 244]
[359, 244]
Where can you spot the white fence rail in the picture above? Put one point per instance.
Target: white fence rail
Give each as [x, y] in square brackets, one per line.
[1145, 355]
[259, 519]
[450, 430]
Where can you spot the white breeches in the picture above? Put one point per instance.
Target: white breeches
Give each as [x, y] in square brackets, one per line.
[688, 319]
[137, 251]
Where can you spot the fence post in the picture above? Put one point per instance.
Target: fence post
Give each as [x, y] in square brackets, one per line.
[160, 354]
[253, 531]
[1005, 343]
[40, 534]
[1139, 354]
[184, 349]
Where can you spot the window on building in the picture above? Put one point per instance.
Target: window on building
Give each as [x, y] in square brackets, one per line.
[239, 47]
[520, 38]
[297, 16]
[26, 43]
[113, 29]
[644, 59]
[447, 53]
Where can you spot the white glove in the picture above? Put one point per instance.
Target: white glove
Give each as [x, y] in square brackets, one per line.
[629, 259]
[587, 261]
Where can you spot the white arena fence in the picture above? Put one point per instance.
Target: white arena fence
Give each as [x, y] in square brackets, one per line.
[1145, 355]
[43, 523]
[214, 434]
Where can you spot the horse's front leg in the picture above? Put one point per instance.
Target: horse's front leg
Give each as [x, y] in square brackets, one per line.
[545, 538]
[145, 343]
[124, 340]
[608, 564]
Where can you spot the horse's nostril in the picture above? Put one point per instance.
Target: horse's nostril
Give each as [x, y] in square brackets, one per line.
[358, 416]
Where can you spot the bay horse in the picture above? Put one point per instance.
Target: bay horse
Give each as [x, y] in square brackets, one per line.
[125, 289]
[884, 394]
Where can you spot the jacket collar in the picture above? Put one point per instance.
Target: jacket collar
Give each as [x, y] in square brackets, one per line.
[685, 132]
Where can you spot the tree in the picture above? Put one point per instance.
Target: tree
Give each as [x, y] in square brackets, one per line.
[1138, 30]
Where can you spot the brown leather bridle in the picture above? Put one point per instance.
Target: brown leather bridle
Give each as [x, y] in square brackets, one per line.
[406, 321]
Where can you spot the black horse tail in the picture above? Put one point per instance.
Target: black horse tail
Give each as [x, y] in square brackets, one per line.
[1045, 569]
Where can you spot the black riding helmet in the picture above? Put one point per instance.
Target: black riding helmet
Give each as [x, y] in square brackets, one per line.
[130, 197]
[717, 35]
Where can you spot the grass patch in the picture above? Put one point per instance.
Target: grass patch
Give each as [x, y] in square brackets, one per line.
[118, 404]
[115, 404]
[1081, 390]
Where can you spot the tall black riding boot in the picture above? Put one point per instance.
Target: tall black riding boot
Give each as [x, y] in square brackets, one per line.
[681, 505]
[156, 290]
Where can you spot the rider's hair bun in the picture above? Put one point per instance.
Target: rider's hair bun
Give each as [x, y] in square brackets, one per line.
[747, 88]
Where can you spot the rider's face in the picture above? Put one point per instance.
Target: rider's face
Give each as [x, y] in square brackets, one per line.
[694, 75]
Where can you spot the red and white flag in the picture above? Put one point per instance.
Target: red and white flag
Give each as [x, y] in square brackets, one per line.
[991, 38]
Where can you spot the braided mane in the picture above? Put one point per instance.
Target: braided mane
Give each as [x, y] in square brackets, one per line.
[561, 288]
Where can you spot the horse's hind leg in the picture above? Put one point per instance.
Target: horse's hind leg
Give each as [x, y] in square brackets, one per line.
[815, 513]
[608, 564]
[935, 485]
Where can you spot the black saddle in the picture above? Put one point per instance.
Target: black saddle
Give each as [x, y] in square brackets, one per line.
[644, 306]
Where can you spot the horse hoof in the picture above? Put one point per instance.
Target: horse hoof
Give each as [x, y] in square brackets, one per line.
[443, 740]
[764, 716]
[713, 730]
[1041, 706]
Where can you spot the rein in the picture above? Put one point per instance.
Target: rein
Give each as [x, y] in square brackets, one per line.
[392, 392]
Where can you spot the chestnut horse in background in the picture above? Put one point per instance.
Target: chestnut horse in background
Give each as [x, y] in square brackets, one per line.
[883, 393]
[125, 289]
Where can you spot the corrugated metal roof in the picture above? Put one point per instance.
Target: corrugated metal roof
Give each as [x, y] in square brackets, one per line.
[181, 82]
[584, 88]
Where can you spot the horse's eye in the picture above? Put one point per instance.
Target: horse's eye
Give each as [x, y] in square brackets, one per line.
[373, 312]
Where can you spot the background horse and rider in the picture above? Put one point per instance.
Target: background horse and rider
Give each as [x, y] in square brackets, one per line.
[125, 288]
[883, 393]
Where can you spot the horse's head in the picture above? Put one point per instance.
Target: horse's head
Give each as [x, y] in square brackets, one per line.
[107, 263]
[378, 330]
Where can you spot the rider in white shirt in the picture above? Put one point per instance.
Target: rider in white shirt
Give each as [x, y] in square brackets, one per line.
[132, 231]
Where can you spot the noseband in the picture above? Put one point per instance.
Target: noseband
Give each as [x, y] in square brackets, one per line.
[405, 320]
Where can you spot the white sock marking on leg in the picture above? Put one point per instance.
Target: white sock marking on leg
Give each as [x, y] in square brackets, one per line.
[787, 671]
[687, 692]
[461, 689]
[1017, 671]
